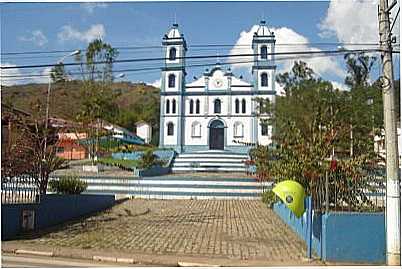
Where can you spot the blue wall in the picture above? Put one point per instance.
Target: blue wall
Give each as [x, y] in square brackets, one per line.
[341, 236]
[53, 209]
[352, 236]
[299, 225]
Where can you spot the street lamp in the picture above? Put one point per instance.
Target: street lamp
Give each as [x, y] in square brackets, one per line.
[121, 75]
[76, 52]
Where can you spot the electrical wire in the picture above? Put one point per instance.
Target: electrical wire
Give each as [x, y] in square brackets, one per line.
[198, 57]
[196, 46]
[158, 68]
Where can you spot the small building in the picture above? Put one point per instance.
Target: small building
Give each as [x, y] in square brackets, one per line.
[144, 130]
[122, 134]
[69, 148]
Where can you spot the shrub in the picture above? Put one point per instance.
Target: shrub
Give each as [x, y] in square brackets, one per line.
[269, 198]
[148, 160]
[69, 184]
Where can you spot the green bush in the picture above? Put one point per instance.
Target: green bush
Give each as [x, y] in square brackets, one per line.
[148, 160]
[68, 184]
[269, 198]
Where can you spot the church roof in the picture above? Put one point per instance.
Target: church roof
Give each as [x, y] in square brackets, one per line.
[174, 32]
[263, 29]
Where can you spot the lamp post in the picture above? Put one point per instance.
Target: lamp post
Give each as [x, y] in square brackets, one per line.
[76, 52]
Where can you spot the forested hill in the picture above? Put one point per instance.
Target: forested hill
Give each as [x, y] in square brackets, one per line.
[135, 101]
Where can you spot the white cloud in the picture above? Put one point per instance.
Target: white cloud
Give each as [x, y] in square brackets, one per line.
[22, 78]
[7, 81]
[354, 21]
[36, 37]
[285, 36]
[339, 86]
[156, 83]
[91, 6]
[94, 32]
[45, 76]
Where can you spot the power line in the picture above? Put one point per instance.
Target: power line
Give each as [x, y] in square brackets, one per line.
[196, 46]
[158, 68]
[198, 57]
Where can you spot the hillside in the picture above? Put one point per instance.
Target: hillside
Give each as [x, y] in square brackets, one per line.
[135, 102]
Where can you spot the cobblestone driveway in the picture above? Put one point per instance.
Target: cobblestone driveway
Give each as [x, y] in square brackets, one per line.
[238, 229]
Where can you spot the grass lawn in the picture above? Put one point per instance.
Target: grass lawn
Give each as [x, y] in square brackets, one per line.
[124, 164]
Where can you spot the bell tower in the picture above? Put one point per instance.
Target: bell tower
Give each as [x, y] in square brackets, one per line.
[172, 89]
[263, 72]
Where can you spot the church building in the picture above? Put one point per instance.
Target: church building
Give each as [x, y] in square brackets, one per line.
[218, 111]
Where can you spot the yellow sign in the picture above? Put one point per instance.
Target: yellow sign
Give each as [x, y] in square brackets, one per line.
[292, 194]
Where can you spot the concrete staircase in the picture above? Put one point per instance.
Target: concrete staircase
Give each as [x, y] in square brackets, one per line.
[183, 186]
[209, 161]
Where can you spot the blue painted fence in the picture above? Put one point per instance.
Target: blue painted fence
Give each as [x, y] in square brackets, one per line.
[341, 236]
[53, 209]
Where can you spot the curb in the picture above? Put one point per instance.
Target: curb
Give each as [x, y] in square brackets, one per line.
[194, 264]
[32, 252]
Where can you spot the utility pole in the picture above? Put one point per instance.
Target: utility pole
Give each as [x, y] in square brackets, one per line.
[393, 191]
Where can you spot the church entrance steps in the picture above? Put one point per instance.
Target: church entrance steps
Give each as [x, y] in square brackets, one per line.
[206, 163]
[210, 161]
[208, 169]
[180, 186]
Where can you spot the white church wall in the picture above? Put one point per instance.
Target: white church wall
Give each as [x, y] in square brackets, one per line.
[179, 53]
[170, 139]
[269, 50]
[247, 126]
[177, 81]
[264, 139]
[199, 137]
[218, 81]
[270, 85]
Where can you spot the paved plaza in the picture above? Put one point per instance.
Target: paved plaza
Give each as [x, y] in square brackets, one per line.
[234, 229]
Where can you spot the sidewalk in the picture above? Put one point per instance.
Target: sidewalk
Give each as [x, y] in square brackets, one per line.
[148, 259]
[165, 232]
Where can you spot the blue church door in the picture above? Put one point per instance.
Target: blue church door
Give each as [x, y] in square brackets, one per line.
[217, 135]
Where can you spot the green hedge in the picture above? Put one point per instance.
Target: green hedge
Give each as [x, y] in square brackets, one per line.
[68, 184]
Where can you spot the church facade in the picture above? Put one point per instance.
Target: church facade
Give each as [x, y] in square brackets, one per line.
[218, 111]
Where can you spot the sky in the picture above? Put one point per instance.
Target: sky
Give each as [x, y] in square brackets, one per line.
[298, 26]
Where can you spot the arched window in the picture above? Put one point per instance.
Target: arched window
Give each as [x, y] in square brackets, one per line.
[170, 129]
[243, 106]
[172, 54]
[197, 106]
[191, 106]
[237, 106]
[238, 129]
[217, 106]
[167, 106]
[264, 129]
[264, 80]
[263, 52]
[174, 106]
[196, 129]
[172, 81]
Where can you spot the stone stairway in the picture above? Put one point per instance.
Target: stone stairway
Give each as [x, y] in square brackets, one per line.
[180, 186]
[210, 161]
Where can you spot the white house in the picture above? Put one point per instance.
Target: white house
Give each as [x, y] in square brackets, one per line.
[218, 111]
[144, 130]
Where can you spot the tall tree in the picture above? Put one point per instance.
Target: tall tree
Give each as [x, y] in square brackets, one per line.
[58, 73]
[97, 95]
